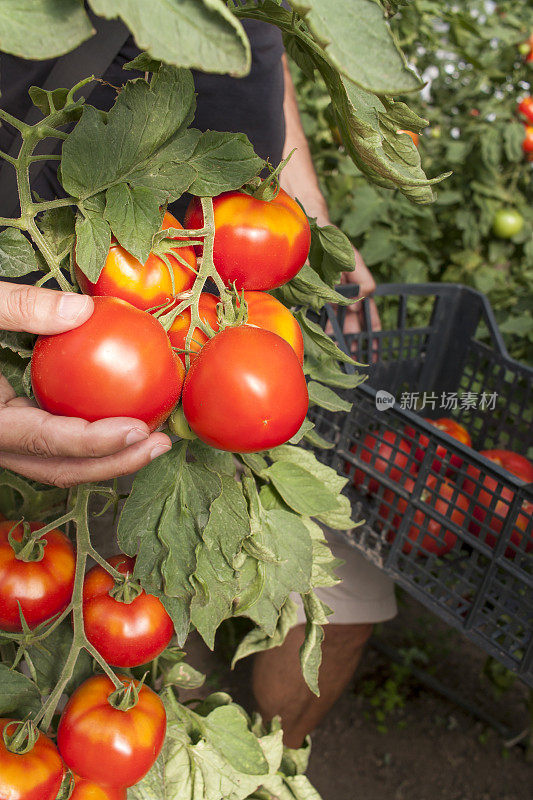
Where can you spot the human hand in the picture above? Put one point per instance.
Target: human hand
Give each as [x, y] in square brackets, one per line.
[362, 276]
[63, 451]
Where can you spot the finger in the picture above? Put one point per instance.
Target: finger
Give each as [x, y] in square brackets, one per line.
[66, 472]
[6, 390]
[30, 431]
[27, 308]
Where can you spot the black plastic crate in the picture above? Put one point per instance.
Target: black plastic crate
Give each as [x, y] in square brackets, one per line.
[450, 526]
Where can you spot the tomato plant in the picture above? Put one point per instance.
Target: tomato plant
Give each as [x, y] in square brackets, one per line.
[452, 428]
[389, 457]
[120, 364]
[507, 223]
[259, 244]
[87, 790]
[143, 285]
[431, 536]
[207, 309]
[109, 745]
[38, 578]
[492, 515]
[35, 775]
[127, 626]
[249, 375]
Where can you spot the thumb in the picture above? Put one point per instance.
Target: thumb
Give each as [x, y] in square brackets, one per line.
[27, 308]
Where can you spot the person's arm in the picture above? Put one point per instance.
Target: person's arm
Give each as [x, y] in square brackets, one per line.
[300, 180]
[63, 450]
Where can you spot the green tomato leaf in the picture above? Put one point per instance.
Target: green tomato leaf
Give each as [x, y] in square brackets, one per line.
[311, 651]
[222, 161]
[200, 34]
[257, 640]
[302, 492]
[18, 694]
[324, 397]
[358, 42]
[49, 656]
[42, 29]
[134, 218]
[93, 238]
[17, 256]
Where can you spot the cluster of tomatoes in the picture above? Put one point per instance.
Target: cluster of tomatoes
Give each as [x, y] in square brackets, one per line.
[399, 457]
[525, 110]
[106, 748]
[245, 389]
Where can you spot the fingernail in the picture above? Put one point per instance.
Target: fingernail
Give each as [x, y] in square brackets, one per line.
[71, 305]
[159, 450]
[135, 435]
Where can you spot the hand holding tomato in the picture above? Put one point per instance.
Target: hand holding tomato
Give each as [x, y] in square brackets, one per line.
[60, 450]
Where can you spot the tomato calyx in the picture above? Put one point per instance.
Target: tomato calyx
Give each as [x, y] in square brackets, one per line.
[23, 739]
[267, 189]
[126, 591]
[126, 697]
[30, 547]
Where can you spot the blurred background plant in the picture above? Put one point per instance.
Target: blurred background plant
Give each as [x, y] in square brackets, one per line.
[475, 59]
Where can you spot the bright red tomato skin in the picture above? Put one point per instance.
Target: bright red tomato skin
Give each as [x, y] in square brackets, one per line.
[440, 498]
[525, 107]
[43, 588]
[108, 746]
[119, 364]
[527, 144]
[126, 635]
[259, 244]
[452, 428]
[36, 775]
[177, 333]
[143, 285]
[245, 391]
[87, 790]
[522, 468]
[392, 449]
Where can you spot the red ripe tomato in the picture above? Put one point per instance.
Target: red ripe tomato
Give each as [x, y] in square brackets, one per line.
[143, 285]
[264, 311]
[527, 144]
[435, 538]
[523, 469]
[525, 107]
[245, 391]
[388, 457]
[36, 775]
[259, 244]
[207, 306]
[414, 136]
[453, 429]
[107, 745]
[87, 790]
[125, 634]
[119, 363]
[43, 588]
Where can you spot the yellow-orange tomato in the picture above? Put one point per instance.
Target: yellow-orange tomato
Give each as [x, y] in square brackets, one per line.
[259, 244]
[264, 311]
[87, 790]
[207, 307]
[143, 285]
[35, 775]
[414, 136]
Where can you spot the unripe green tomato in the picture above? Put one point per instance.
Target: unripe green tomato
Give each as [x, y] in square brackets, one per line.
[524, 48]
[436, 132]
[507, 223]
